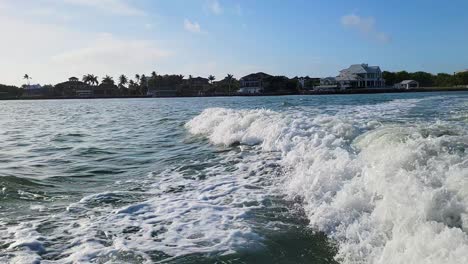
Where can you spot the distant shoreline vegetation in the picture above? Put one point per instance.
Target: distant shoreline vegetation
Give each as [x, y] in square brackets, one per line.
[154, 85]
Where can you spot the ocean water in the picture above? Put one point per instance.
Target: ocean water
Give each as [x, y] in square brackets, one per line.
[294, 179]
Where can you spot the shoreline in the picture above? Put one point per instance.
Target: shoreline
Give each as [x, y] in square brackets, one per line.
[339, 92]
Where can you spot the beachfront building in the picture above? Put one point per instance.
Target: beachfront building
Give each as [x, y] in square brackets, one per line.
[253, 83]
[360, 76]
[407, 84]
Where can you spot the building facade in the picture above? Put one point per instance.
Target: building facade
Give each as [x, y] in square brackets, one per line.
[253, 83]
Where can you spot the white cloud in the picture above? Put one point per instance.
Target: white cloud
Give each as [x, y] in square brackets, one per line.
[50, 53]
[215, 7]
[366, 26]
[108, 53]
[118, 7]
[193, 27]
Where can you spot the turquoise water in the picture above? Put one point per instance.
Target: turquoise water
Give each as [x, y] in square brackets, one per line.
[294, 179]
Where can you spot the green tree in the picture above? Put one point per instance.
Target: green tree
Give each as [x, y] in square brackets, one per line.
[143, 85]
[425, 79]
[153, 80]
[401, 76]
[444, 80]
[390, 77]
[123, 80]
[90, 79]
[27, 78]
[229, 78]
[461, 78]
[107, 80]
[211, 78]
[86, 78]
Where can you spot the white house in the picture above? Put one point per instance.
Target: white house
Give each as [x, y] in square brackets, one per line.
[407, 84]
[361, 76]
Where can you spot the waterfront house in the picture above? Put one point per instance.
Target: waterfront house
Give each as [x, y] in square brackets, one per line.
[360, 76]
[193, 86]
[327, 84]
[73, 87]
[34, 90]
[407, 84]
[328, 81]
[162, 91]
[165, 85]
[307, 83]
[254, 83]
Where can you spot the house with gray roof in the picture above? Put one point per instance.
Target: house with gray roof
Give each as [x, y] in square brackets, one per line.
[407, 84]
[360, 76]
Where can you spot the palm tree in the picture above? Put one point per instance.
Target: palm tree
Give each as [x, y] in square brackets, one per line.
[190, 82]
[90, 79]
[94, 79]
[123, 80]
[229, 78]
[143, 84]
[153, 81]
[108, 80]
[86, 78]
[211, 78]
[27, 78]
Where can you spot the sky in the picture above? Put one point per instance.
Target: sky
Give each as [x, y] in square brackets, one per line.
[52, 40]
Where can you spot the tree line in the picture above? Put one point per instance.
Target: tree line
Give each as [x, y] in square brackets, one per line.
[141, 84]
[426, 79]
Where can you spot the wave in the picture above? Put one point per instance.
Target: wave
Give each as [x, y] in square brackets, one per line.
[384, 192]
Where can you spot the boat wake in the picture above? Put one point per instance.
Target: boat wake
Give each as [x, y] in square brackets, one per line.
[384, 192]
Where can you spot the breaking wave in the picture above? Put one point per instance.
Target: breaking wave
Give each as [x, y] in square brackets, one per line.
[384, 191]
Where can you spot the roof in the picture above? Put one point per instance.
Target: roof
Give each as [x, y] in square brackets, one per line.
[348, 77]
[258, 75]
[72, 83]
[408, 81]
[361, 68]
[199, 79]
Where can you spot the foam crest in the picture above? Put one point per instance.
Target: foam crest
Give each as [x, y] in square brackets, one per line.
[386, 193]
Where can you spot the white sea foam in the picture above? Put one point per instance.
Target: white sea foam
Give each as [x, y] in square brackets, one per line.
[386, 193]
[183, 215]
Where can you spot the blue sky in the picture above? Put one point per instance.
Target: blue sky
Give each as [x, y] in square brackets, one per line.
[52, 40]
